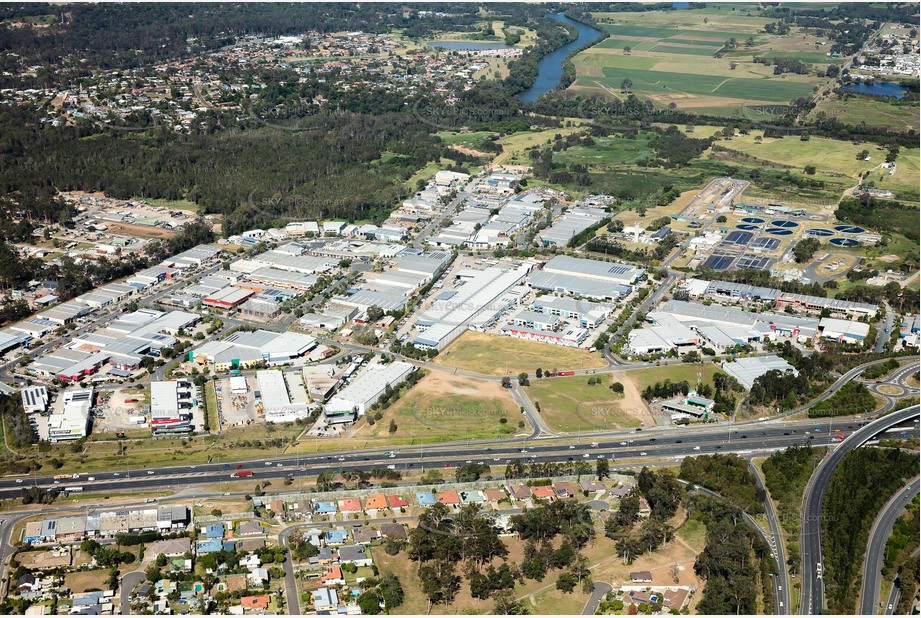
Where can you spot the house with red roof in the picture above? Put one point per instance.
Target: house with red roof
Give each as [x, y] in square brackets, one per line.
[543, 492]
[449, 498]
[255, 604]
[397, 502]
[350, 505]
[333, 576]
[377, 501]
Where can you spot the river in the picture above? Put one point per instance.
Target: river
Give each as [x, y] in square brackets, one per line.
[550, 67]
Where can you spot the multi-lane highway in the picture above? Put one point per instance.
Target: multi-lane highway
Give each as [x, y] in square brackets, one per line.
[639, 446]
[876, 546]
[812, 600]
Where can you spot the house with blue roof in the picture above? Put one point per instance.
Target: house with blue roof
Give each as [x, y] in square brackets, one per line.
[214, 531]
[211, 546]
[325, 508]
[425, 498]
[337, 536]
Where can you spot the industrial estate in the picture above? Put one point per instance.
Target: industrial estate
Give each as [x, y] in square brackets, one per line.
[623, 347]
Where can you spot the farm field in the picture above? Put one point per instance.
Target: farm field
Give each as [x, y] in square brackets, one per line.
[875, 111]
[671, 57]
[498, 355]
[570, 404]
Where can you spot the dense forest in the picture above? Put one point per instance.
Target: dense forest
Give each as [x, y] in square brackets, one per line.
[735, 562]
[861, 484]
[727, 475]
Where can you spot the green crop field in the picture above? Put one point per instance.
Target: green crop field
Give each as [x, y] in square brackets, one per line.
[741, 89]
[672, 59]
[665, 32]
[690, 51]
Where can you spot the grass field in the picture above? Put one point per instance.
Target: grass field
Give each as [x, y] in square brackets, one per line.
[676, 373]
[828, 155]
[569, 404]
[904, 182]
[608, 151]
[514, 145]
[875, 111]
[171, 204]
[137, 455]
[443, 407]
[498, 355]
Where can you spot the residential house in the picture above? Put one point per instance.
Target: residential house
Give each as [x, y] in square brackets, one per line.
[250, 527]
[255, 604]
[449, 498]
[325, 599]
[337, 536]
[323, 557]
[325, 508]
[645, 511]
[543, 492]
[397, 502]
[354, 554]
[566, 489]
[257, 577]
[375, 502]
[591, 486]
[332, 576]
[495, 495]
[641, 577]
[350, 505]
[520, 492]
[364, 535]
[425, 498]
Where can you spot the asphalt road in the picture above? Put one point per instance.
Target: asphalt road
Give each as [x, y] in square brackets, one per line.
[650, 444]
[128, 582]
[598, 591]
[812, 600]
[776, 541]
[876, 546]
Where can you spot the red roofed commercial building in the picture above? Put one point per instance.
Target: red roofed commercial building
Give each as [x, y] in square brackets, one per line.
[228, 298]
